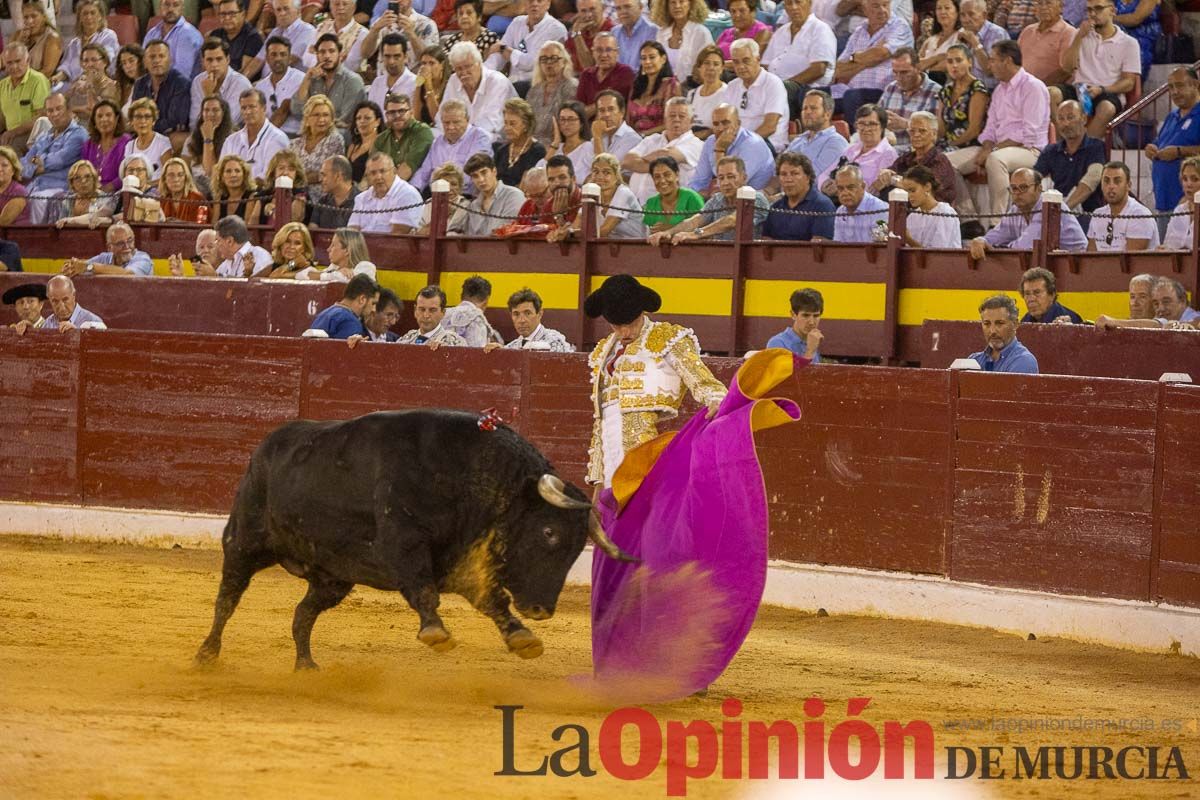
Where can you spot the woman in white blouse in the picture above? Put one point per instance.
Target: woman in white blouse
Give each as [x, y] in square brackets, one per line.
[147, 142]
[710, 63]
[1179, 229]
[681, 31]
[924, 229]
[91, 28]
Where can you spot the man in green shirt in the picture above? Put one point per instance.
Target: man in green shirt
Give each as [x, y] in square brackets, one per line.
[406, 140]
[23, 93]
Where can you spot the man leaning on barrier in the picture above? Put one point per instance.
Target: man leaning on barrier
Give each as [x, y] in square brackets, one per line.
[803, 337]
[1040, 291]
[1171, 310]
[718, 219]
[1003, 353]
[66, 314]
[121, 258]
[525, 307]
[1022, 227]
[429, 310]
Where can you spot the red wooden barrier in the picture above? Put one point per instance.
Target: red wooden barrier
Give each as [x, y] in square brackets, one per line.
[1178, 508]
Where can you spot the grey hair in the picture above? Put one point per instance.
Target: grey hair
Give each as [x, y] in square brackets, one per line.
[450, 105]
[925, 115]
[852, 170]
[1145, 277]
[677, 101]
[1001, 301]
[117, 227]
[746, 44]
[463, 52]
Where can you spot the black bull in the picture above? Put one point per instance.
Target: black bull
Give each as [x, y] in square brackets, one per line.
[418, 502]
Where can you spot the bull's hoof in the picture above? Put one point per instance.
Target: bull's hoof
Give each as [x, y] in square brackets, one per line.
[205, 658]
[524, 643]
[305, 664]
[437, 638]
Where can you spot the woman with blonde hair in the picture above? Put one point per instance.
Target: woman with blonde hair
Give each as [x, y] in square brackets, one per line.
[178, 196]
[620, 213]
[91, 27]
[292, 251]
[84, 205]
[41, 39]
[554, 83]
[93, 85]
[1179, 229]
[319, 137]
[233, 189]
[146, 141]
[681, 30]
[285, 163]
[347, 249]
[14, 205]
[451, 174]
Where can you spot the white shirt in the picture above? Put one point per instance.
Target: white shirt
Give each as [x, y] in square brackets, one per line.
[158, 152]
[787, 56]
[526, 44]
[299, 33]
[270, 140]
[236, 267]
[1179, 229]
[695, 38]
[231, 90]
[689, 147]
[622, 140]
[1101, 61]
[487, 109]
[277, 93]
[936, 232]
[353, 59]
[765, 95]
[1123, 228]
[400, 195]
[702, 107]
[406, 85]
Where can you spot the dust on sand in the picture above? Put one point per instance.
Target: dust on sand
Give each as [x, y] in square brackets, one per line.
[97, 698]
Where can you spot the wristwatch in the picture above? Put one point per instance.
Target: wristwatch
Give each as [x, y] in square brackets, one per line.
[90, 268]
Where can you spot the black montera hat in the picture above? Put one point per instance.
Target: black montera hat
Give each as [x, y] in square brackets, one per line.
[14, 294]
[621, 300]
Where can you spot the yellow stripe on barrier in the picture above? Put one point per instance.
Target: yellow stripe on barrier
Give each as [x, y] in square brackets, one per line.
[557, 290]
[918, 305]
[1090, 305]
[843, 299]
[705, 297]
[404, 284]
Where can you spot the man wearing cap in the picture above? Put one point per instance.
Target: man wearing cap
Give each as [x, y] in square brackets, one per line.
[28, 299]
[639, 373]
[67, 314]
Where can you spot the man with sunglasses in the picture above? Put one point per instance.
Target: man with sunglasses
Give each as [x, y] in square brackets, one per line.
[279, 85]
[406, 139]
[1023, 225]
[1106, 63]
[759, 95]
[1122, 224]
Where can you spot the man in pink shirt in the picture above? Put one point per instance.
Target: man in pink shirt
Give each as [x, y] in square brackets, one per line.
[1043, 43]
[1016, 130]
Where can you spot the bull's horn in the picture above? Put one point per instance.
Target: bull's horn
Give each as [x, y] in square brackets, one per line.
[597, 535]
[550, 487]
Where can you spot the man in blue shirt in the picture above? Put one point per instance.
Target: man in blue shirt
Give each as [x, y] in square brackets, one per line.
[122, 257]
[731, 139]
[344, 318]
[1178, 138]
[633, 31]
[1040, 291]
[804, 335]
[797, 179]
[170, 90]
[50, 157]
[1003, 352]
[180, 34]
[819, 140]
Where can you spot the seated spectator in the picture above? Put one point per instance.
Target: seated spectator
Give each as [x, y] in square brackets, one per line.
[718, 219]
[1105, 63]
[350, 35]
[1122, 224]
[943, 34]
[335, 203]
[483, 90]
[652, 88]
[50, 156]
[218, 79]
[387, 313]
[204, 145]
[709, 92]
[803, 337]
[525, 306]
[1178, 138]
[457, 220]
[368, 126]
[259, 140]
[386, 191]
[240, 258]
[1013, 15]
[234, 190]
[65, 313]
[818, 141]
[130, 67]
[14, 207]
[394, 77]
[607, 73]
[499, 200]
[924, 152]
[854, 223]
[1179, 229]
[84, 204]
[184, 38]
[1141, 300]
[518, 49]
[344, 318]
[284, 163]
[862, 70]
[90, 28]
[105, 146]
[590, 21]
[981, 35]
[145, 207]
[1040, 291]
[931, 223]
[1170, 304]
[467, 319]
[40, 37]
[619, 214]
[759, 95]
[204, 261]
[469, 16]
[801, 197]
[170, 89]
[23, 94]
[554, 83]
[561, 205]
[245, 40]
[177, 194]
[673, 203]
[347, 249]
[319, 137]
[332, 78]
[572, 138]
[676, 140]
[1017, 123]
[279, 84]
[536, 187]
[610, 133]
[1141, 21]
[730, 139]
[1022, 228]
[962, 105]
[633, 30]
[420, 31]
[1074, 162]
[27, 300]
[433, 77]
[147, 142]
[405, 139]
[429, 309]
[291, 251]
[743, 15]
[681, 30]
[518, 151]
[1043, 42]
[93, 85]
[910, 91]
[121, 258]
[872, 152]
[802, 51]
[1003, 352]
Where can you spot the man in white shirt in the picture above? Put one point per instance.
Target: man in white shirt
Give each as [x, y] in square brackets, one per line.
[610, 133]
[217, 78]
[759, 95]
[1104, 58]
[386, 192]
[258, 140]
[1122, 224]
[241, 259]
[676, 141]
[525, 306]
[523, 41]
[289, 26]
[395, 77]
[279, 85]
[350, 33]
[483, 90]
[802, 50]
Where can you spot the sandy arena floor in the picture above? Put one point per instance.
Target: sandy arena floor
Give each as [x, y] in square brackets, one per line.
[97, 699]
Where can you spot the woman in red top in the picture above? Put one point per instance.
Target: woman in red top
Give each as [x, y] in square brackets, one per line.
[654, 85]
[178, 196]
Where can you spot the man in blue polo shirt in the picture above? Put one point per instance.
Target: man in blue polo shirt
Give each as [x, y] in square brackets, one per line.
[803, 337]
[1003, 352]
[344, 318]
[1040, 291]
[731, 139]
[1178, 138]
[797, 179]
